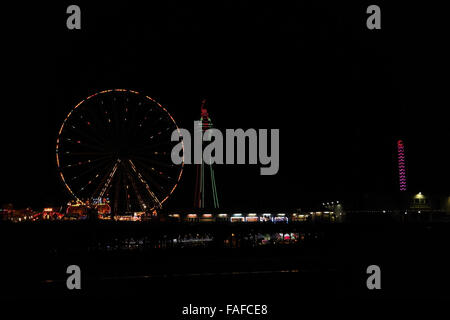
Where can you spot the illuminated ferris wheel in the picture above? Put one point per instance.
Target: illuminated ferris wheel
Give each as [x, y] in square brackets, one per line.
[115, 145]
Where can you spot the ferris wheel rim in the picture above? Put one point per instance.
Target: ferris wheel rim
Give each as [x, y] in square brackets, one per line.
[78, 200]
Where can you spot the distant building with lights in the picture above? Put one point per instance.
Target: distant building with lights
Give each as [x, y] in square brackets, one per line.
[420, 202]
[252, 216]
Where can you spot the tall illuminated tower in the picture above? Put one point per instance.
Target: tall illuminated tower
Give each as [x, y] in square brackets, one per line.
[401, 165]
[205, 181]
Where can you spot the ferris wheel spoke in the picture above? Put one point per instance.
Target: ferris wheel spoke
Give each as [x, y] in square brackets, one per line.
[109, 179]
[85, 135]
[121, 107]
[147, 116]
[157, 175]
[136, 190]
[79, 143]
[88, 153]
[155, 136]
[155, 162]
[132, 124]
[89, 170]
[141, 178]
[103, 182]
[105, 116]
[143, 147]
[156, 165]
[91, 182]
[150, 125]
[81, 163]
[153, 128]
[100, 186]
[101, 134]
[116, 120]
[125, 193]
[148, 129]
[129, 117]
[99, 164]
[133, 179]
[158, 117]
[84, 187]
[96, 119]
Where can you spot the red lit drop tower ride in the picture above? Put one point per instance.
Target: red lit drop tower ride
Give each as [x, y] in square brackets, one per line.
[401, 165]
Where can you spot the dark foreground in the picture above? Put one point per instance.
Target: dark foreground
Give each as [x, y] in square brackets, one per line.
[329, 265]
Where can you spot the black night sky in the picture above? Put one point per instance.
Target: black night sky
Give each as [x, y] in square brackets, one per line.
[340, 94]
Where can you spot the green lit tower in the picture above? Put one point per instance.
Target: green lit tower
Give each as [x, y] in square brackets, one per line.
[205, 182]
